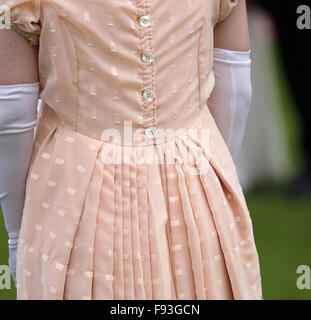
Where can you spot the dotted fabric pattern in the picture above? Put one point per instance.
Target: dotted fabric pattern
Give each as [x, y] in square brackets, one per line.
[175, 228]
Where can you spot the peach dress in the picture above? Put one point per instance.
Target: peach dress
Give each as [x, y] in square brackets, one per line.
[131, 191]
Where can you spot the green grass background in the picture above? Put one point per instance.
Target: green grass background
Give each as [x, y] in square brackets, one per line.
[5, 294]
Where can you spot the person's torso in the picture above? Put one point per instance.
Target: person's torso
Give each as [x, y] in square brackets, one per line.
[110, 64]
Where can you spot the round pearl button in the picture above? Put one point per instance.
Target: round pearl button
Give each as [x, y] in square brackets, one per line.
[148, 95]
[145, 21]
[147, 57]
[151, 132]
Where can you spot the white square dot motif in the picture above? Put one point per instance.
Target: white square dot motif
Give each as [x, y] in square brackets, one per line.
[52, 235]
[45, 205]
[52, 184]
[45, 257]
[59, 266]
[46, 156]
[175, 223]
[71, 191]
[176, 247]
[52, 289]
[81, 168]
[109, 276]
[38, 227]
[61, 213]
[59, 161]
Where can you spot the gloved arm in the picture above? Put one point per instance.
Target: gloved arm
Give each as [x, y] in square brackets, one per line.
[230, 100]
[18, 115]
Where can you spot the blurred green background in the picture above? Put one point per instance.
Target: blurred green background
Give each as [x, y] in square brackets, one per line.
[4, 256]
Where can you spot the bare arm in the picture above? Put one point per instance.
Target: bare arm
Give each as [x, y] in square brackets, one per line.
[232, 33]
[18, 60]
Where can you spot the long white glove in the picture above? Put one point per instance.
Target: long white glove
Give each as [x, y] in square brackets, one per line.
[18, 116]
[230, 100]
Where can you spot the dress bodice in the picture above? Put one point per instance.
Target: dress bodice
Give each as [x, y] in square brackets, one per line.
[115, 68]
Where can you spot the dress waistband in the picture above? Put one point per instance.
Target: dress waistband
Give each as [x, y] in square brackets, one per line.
[195, 129]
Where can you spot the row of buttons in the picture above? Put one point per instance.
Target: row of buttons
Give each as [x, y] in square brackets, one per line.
[148, 94]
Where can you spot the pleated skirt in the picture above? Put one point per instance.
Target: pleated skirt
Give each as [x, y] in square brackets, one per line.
[102, 222]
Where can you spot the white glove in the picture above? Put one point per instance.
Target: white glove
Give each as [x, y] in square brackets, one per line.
[18, 117]
[230, 100]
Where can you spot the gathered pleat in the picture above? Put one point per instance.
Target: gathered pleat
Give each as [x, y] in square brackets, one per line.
[104, 267]
[79, 279]
[193, 234]
[139, 290]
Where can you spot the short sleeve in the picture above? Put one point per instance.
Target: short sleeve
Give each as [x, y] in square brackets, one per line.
[224, 8]
[24, 18]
